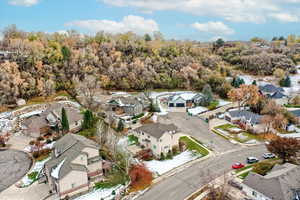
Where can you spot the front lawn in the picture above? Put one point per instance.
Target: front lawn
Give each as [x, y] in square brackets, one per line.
[244, 175]
[194, 146]
[226, 126]
[114, 178]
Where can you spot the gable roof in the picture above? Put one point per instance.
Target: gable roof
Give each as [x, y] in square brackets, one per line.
[65, 151]
[296, 112]
[185, 96]
[269, 88]
[125, 101]
[277, 95]
[279, 184]
[157, 130]
[247, 115]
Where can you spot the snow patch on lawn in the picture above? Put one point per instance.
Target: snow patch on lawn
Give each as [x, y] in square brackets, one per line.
[105, 194]
[38, 166]
[223, 102]
[161, 167]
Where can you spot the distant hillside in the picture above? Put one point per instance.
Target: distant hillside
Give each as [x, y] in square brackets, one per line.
[38, 64]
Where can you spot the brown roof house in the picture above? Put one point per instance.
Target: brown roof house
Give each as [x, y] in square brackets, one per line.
[38, 122]
[74, 162]
[160, 138]
[282, 183]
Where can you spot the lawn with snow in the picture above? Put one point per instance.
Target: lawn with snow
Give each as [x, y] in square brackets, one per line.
[223, 102]
[101, 194]
[161, 167]
[197, 110]
[38, 166]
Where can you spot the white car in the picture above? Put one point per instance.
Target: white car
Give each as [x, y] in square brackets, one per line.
[268, 155]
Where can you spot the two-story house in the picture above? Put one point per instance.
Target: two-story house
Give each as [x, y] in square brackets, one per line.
[281, 183]
[74, 162]
[160, 138]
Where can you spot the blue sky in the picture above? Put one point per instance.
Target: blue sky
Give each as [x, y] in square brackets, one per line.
[202, 20]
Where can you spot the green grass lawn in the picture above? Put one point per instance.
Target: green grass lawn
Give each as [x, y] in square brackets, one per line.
[132, 139]
[115, 177]
[191, 145]
[244, 175]
[226, 126]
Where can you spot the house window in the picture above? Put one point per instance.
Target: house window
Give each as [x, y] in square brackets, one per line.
[160, 140]
[82, 157]
[142, 133]
[154, 146]
[76, 123]
[148, 136]
[254, 193]
[72, 185]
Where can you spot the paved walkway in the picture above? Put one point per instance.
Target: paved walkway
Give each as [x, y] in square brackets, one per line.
[14, 165]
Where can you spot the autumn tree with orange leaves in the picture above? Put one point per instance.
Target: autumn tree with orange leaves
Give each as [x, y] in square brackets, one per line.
[245, 94]
[140, 177]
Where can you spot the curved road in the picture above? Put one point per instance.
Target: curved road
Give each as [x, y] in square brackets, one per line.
[184, 183]
[14, 165]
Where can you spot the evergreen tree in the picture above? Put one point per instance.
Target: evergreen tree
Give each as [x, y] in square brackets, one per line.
[147, 37]
[281, 38]
[66, 53]
[207, 95]
[237, 81]
[254, 82]
[64, 120]
[120, 126]
[274, 39]
[285, 82]
[88, 120]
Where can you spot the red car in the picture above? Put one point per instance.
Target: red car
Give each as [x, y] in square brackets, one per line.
[237, 165]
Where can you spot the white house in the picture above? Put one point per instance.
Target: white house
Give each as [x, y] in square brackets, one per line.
[160, 138]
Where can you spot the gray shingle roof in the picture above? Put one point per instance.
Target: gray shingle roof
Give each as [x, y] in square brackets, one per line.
[157, 129]
[68, 148]
[278, 95]
[296, 112]
[269, 88]
[248, 115]
[279, 184]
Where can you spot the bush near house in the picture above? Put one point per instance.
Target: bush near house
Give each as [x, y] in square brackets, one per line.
[114, 178]
[140, 177]
[262, 168]
[133, 139]
[33, 175]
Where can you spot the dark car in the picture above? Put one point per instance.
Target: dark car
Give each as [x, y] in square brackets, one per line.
[251, 160]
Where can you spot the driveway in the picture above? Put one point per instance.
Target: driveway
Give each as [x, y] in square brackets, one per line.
[184, 183]
[14, 165]
[199, 129]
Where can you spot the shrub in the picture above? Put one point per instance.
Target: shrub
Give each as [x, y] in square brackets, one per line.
[33, 175]
[32, 142]
[40, 138]
[169, 155]
[262, 168]
[48, 141]
[162, 156]
[140, 177]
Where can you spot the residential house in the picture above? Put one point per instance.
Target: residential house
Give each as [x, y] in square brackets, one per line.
[185, 100]
[160, 138]
[40, 122]
[128, 105]
[275, 93]
[250, 120]
[296, 113]
[75, 161]
[281, 183]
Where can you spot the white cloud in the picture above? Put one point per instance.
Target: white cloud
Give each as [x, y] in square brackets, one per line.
[217, 28]
[255, 11]
[285, 17]
[136, 24]
[231, 10]
[26, 3]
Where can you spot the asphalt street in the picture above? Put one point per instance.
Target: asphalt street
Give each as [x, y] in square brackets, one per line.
[14, 165]
[184, 183]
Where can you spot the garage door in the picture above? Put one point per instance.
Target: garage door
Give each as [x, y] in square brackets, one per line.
[180, 105]
[171, 104]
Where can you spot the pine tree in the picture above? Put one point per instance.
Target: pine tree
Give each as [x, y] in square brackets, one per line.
[285, 82]
[88, 120]
[207, 95]
[254, 82]
[64, 120]
[147, 38]
[120, 126]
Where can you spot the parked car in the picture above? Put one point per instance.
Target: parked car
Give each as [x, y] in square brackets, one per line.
[235, 184]
[251, 160]
[237, 165]
[268, 155]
